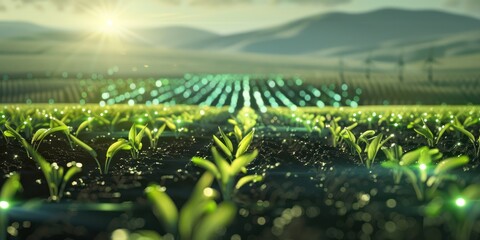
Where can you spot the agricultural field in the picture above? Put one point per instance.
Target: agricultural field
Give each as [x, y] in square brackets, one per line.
[239, 157]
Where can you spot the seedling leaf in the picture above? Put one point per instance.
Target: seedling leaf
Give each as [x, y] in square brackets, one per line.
[163, 206]
[244, 144]
[250, 178]
[207, 165]
[214, 222]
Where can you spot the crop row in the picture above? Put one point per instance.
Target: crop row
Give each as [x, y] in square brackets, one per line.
[368, 135]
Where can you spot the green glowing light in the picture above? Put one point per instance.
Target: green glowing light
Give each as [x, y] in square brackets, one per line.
[4, 205]
[460, 202]
[423, 167]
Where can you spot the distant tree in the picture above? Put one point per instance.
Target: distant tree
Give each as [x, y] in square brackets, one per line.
[401, 67]
[368, 66]
[430, 62]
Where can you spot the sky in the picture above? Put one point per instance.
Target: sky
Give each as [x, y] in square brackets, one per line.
[220, 16]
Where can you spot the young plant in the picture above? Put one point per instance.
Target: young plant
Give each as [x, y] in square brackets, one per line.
[56, 176]
[424, 131]
[9, 189]
[459, 207]
[153, 136]
[58, 126]
[226, 173]
[12, 133]
[200, 218]
[335, 131]
[459, 127]
[372, 144]
[417, 166]
[227, 146]
[394, 155]
[133, 144]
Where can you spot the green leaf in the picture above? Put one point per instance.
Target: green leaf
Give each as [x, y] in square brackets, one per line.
[465, 132]
[159, 132]
[120, 144]
[374, 146]
[472, 192]
[250, 178]
[83, 125]
[242, 161]
[244, 144]
[207, 165]
[83, 145]
[412, 156]
[222, 147]
[238, 133]
[209, 227]
[8, 133]
[38, 133]
[139, 137]
[227, 141]
[390, 165]
[451, 163]
[425, 132]
[442, 131]
[146, 132]
[10, 187]
[222, 165]
[145, 235]
[363, 137]
[191, 213]
[163, 206]
[132, 134]
[351, 127]
[232, 121]
[414, 181]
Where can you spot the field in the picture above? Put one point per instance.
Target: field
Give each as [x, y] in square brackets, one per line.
[235, 156]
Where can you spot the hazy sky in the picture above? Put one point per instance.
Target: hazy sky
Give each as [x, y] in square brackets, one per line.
[222, 16]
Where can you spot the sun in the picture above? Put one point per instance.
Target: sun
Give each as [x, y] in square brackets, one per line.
[109, 22]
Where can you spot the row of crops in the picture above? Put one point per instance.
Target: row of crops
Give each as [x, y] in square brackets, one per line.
[200, 172]
[239, 90]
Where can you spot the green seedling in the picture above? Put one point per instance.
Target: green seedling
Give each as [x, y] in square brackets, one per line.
[133, 144]
[425, 178]
[226, 144]
[200, 218]
[84, 125]
[170, 124]
[226, 173]
[372, 144]
[372, 147]
[246, 119]
[111, 123]
[59, 126]
[335, 131]
[12, 133]
[394, 155]
[157, 132]
[424, 131]
[55, 126]
[459, 127]
[56, 176]
[9, 189]
[460, 208]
